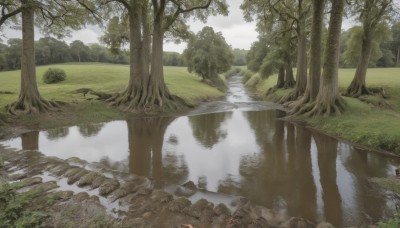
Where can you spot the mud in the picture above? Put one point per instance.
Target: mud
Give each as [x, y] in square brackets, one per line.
[87, 197]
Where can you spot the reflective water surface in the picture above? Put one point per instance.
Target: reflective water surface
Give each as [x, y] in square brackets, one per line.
[249, 153]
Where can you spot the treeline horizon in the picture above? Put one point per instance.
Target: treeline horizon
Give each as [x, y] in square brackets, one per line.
[49, 50]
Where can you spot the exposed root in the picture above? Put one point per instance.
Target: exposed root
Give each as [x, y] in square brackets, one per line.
[317, 108]
[100, 95]
[356, 90]
[143, 101]
[26, 105]
[289, 98]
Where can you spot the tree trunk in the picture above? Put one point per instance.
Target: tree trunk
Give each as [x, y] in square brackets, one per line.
[328, 99]
[146, 91]
[313, 80]
[301, 77]
[357, 86]
[398, 56]
[289, 78]
[29, 100]
[281, 77]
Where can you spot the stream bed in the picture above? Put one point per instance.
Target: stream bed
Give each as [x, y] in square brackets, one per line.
[237, 146]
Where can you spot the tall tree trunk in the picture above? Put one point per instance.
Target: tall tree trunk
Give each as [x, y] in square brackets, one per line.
[281, 77]
[289, 78]
[357, 86]
[146, 91]
[313, 80]
[398, 56]
[328, 99]
[29, 100]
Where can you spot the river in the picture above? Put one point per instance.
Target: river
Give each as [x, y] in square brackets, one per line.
[236, 146]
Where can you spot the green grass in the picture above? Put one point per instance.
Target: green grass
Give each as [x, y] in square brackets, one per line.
[106, 78]
[365, 123]
[100, 77]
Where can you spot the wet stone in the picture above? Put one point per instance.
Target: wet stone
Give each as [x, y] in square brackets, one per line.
[108, 186]
[325, 225]
[47, 186]
[28, 182]
[74, 178]
[179, 205]
[81, 196]
[161, 196]
[190, 185]
[18, 176]
[124, 190]
[98, 180]
[183, 191]
[88, 179]
[297, 222]
[202, 209]
[222, 209]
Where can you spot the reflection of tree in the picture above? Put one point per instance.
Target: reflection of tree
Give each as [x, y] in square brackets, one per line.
[115, 165]
[206, 128]
[363, 165]
[57, 133]
[327, 153]
[146, 138]
[90, 129]
[282, 172]
[30, 140]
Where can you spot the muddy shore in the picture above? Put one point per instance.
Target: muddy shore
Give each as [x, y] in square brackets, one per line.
[87, 194]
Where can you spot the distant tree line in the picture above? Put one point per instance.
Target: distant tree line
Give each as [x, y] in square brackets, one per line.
[49, 50]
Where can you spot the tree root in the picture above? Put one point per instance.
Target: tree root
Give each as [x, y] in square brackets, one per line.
[357, 90]
[302, 108]
[289, 84]
[149, 103]
[289, 98]
[25, 105]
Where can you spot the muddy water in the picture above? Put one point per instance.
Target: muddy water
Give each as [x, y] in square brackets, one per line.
[239, 149]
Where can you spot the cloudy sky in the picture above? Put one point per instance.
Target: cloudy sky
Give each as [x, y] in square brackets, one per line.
[237, 32]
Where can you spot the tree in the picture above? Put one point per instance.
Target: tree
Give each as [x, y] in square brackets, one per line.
[313, 80]
[283, 18]
[13, 54]
[79, 51]
[53, 16]
[208, 54]
[146, 90]
[239, 57]
[328, 100]
[256, 54]
[396, 42]
[49, 50]
[371, 13]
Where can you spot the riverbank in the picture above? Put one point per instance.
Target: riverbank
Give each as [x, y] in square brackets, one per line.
[370, 121]
[82, 108]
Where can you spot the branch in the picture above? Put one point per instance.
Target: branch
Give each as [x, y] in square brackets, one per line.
[5, 16]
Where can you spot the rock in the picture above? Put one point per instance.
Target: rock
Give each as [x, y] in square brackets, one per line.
[203, 210]
[222, 209]
[74, 178]
[183, 191]
[108, 186]
[190, 185]
[28, 182]
[88, 179]
[47, 186]
[81, 196]
[202, 182]
[298, 223]
[161, 196]
[124, 190]
[98, 180]
[325, 225]
[179, 205]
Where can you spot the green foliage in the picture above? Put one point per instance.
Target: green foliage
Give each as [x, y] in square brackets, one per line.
[173, 59]
[239, 57]
[354, 42]
[12, 208]
[208, 54]
[246, 75]
[256, 54]
[54, 75]
[393, 222]
[1, 162]
[233, 71]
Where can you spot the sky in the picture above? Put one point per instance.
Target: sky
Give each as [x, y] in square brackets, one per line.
[237, 32]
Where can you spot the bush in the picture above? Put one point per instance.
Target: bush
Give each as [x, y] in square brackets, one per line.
[54, 75]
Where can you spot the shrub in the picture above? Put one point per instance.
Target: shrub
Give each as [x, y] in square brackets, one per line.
[54, 75]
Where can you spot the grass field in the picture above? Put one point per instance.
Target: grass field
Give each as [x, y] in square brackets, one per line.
[106, 78]
[100, 77]
[376, 124]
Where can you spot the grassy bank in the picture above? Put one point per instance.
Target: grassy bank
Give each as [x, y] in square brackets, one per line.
[373, 123]
[100, 77]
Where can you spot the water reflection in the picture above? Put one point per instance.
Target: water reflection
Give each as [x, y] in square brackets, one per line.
[253, 154]
[206, 128]
[56, 133]
[90, 129]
